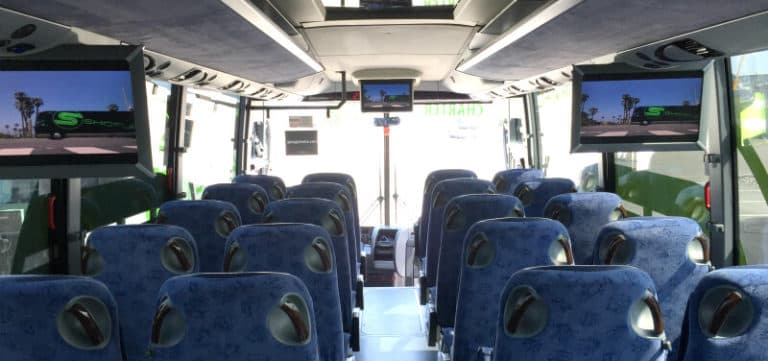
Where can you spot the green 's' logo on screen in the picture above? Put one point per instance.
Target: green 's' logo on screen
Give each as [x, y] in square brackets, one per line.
[68, 120]
[654, 111]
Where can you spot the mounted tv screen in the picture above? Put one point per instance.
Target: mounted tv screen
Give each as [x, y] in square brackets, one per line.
[634, 111]
[74, 113]
[384, 96]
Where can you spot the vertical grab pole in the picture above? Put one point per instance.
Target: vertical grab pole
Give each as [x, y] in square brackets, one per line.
[386, 171]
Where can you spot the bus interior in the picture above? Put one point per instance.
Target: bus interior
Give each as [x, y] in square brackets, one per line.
[327, 180]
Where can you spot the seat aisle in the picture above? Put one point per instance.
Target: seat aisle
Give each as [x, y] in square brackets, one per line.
[394, 326]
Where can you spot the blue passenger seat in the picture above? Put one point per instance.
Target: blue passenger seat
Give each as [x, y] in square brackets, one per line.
[506, 180]
[340, 194]
[345, 180]
[250, 199]
[134, 261]
[460, 214]
[233, 317]
[492, 251]
[580, 313]
[328, 215]
[672, 250]
[443, 192]
[727, 316]
[426, 205]
[274, 186]
[583, 214]
[305, 251]
[535, 194]
[208, 221]
[44, 318]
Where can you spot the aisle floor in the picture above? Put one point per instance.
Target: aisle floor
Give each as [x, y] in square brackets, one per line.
[393, 327]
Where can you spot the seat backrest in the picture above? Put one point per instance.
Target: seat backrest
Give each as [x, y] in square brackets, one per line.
[274, 186]
[426, 205]
[250, 199]
[580, 313]
[506, 180]
[134, 261]
[726, 316]
[305, 251]
[444, 191]
[535, 194]
[208, 221]
[493, 250]
[329, 216]
[234, 317]
[345, 180]
[57, 318]
[583, 214]
[341, 195]
[460, 214]
[672, 250]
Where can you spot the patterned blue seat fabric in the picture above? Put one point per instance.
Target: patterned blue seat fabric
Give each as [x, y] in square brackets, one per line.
[234, 317]
[506, 180]
[583, 214]
[492, 251]
[329, 216]
[726, 316]
[274, 186]
[134, 261]
[45, 318]
[671, 249]
[341, 195]
[208, 221]
[536, 194]
[426, 204]
[305, 251]
[347, 181]
[579, 313]
[250, 199]
[445, 191]
[460, 214]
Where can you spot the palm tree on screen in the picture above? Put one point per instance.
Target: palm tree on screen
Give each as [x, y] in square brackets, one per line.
[592, 112]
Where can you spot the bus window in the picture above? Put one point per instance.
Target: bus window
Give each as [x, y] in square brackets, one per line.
[23, 219]
[433, 136]
[210, 153]
[750, 88]
[554, 113]
[157, 102]
[663, 184]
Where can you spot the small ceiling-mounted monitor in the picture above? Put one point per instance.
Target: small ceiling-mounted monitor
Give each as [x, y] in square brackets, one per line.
[385, 96]
[74, 111]
[618, 108]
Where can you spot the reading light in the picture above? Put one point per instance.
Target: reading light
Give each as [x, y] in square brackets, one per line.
[253, 15]
[532, 22]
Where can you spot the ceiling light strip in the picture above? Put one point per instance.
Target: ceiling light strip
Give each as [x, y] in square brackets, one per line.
[253, 15]
[532, 22]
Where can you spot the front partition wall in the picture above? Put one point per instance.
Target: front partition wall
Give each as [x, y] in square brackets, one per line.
[433, 136]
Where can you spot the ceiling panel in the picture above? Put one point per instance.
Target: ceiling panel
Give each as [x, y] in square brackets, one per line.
[389, 39]
[601, 27]
[206, 32]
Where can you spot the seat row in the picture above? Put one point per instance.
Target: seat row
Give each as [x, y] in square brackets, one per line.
[205, 236]
[671, 250]
[284, 304]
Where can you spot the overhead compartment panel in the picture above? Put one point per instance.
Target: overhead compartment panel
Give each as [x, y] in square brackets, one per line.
[206, 32]
[596, 28]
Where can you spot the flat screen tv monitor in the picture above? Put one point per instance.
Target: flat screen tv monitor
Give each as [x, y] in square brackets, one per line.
[385, 96]
[616, 109]
[75, 111]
